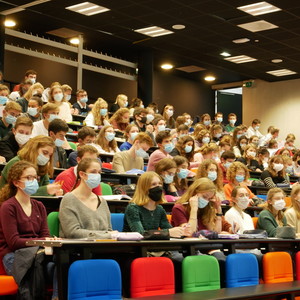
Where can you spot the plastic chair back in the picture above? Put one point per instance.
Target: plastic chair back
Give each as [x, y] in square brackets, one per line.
[200, 273]
[169, 217]
[106, 189]
[117, 221]
[53, 223]
[107, 165]
[247, 272]
[73, 146]
[94, 279]
[264, 197]
[8, 285]
[277, 267]
[151, 276]
[255, 220]
[297, 261]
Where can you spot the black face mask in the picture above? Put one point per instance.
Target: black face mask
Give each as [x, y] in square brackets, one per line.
[143, 120]
[155, 193]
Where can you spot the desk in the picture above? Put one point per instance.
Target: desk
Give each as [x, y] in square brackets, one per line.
[63, 249]
[263, 190]
[257, 175]
[286, 290]
[119, 178]
[79, 118]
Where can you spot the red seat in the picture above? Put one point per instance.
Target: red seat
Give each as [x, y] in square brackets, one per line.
[107, 165]
[152, 276]
[297, 260]
[8, 285]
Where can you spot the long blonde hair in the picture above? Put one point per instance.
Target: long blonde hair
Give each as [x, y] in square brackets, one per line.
[295, 203]
[98, 119]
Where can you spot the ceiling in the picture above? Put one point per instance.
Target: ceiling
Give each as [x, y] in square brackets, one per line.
[211, 25]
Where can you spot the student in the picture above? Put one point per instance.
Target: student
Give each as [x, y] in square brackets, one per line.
[275, 173]
[165, 147]
[202, 137]
[105, 141]
[216, 133]
[167, 113]
[273, 133]
[206, 121]
[140, 118]
[35, 105]
[131, 133]
[144, 212]
[98, 117]
[292, 214]
[249, 158]
[135, 103]
[121, 102]
[227, 158]
[272, 216]
[254, 129]
[81, 104]
[180, 179]
[83, 214]
[159, 124]
[38, 151]
[206, 152]
[254, 141]
[296, 163]
[134, 157]
[218, 120]
[11, 112]
[15, 139]
[231, 122]
[24, 87]
[57, 131]
[120, 119]
[288, 166]
[67, 90]
[263, 157]
[29, 75]
[240, 146]
[182, 130]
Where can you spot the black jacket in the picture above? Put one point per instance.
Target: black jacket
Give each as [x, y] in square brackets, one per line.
[9, 146]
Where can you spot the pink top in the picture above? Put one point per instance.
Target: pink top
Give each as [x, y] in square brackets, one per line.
[155, 157]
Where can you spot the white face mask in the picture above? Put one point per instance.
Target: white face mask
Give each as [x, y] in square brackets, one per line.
[277, 167]
[279, 204]
[170, 112]
[251, 153]
[242, 202]
[22, 139]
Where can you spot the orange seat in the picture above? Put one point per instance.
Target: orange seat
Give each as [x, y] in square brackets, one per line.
[8, 285]
[169, 217]
[254, 220]
[288, 201]
[277, 267]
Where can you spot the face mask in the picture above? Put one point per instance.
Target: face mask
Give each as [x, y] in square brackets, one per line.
[31, 187]
[58, 97]
[182, 135]
[68, 97]
[161, 127]
[133, 135]
[52, 117]
[187, 123]
[168, 179]
[239, 178]
[22, 139]
[141, 153]
[142, 106]
[155, 193]
[242, 202]
[42, 160]
[10, 119]
[93, 180]
[218, 135]
[32, 111]
[212, 175]
[32, 80]
[59, 142]
[279, 204]
[109, 136]
[202, 202]
[169, 147]
[3, 100]
[289, 169]
[256, 127]
[251, 153]
[227, 164]
[103, 111]
[170, 112]
[206, 123]
[232, 122]
[220, 119]
[238, 136]
[126, 104]
[205, 140]
[84, 100]
[290, 147]
[143, 120]
[183, 173]
[150, 118]
[188, 149]
[243, 146]
[266, 159]
[277, 167]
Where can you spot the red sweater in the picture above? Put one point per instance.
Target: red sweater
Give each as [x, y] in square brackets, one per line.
[68, 178]
[16, 227]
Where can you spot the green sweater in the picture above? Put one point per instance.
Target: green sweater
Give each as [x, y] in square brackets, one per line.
[43, 182]
[138, 219]
[267, 222]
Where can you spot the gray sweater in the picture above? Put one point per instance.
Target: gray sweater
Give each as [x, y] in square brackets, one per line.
[79, 221]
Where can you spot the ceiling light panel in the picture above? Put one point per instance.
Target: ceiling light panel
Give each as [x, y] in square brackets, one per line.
[281, 72]
[153, 31]
[258, 26]
[240, 59]
[87, 8]
[259, 8]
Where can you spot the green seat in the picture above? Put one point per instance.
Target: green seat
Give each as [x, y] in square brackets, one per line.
[73, 146]
[53, 223]
[106, 189]
[200, 273]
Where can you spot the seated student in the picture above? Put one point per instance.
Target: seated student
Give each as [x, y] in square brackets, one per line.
[284, 152]
[121, 102]
[131, 133]
[272, 134]
[275, 173]
[263, 156]
[134, 157]
[182, 130]
[165, 146]
[289, 144]
[206, 121]
[249, 158]
[216, 133]
[237, 175]
[144, 212]
[86, 136]
[135, 103]
[231, 122]
[272, 216]
[218, 120]
[29, 75]
[140, 118]
[227, 158]
[296, 163]
[50, 112]
[180, 179]
[240, 146]
[120, 119]
[35, 105]
[105, 141]
[159, 124]
[98, 117]
[254, 141]
[201, 136]
[237, 133]
[210, 169]
[15, 139]
[225, 145]
[81, 104]
[57, 131]
[206, 152]
[288, 166]
[167, 113]
[24, 86]
[292, 213]
[254, 129]
[11, 111]
[82, 213]
[272, 147]
[38, 151]
[166, 168]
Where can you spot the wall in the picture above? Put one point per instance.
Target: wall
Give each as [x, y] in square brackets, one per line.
[276, 104]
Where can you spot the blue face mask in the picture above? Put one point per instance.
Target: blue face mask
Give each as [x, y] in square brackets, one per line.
[227, 164]
[161, 127]
[289, 169]
[202, 202]
[206, 123]
[32, 111]
[3, 100]
[93, 180]
[31, 187]
[84, 100]
[10, 119]
[220, 119]
[109, 136]
[52, 117]
[188, 149]
[59, 142]
[126, 104]
[42, 160]
[206, 140]
[238, 136]
[168, 179]
[133, 135]
[212, 175]
[169, 147]
[141, 153]
[103, 111]
[183, 173]
[239, 178]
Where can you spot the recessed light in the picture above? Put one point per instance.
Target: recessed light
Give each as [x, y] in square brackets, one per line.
[87, 8]
[209, 78]
[259, 8]
[258, 26]
[241, 41]
[240, 59]
[167, 66]
[153, 31]
[178, 26]
[226, 54]
[9, 23]
[75, 41]
[276, 60]
[281, 72]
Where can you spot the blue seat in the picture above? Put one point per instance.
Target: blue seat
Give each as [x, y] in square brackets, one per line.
[94, 279]
[117, 221]
[245, 274]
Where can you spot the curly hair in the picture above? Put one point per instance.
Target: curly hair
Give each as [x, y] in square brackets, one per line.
[181, 145]
[234, 167]
[98, 119]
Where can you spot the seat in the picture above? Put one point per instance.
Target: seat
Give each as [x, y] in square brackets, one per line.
[53, 223]
[200, 273]
[8, 285]
[255, 220]
[107, 165]
[277, 267]
[297, 261]
[151, 276]
[169, 217]
[94, 279]
[73, 146]
[117, 221]
[106, 189]
[246, 274]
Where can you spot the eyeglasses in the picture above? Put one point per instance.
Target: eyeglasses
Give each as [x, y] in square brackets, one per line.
[29, 177]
